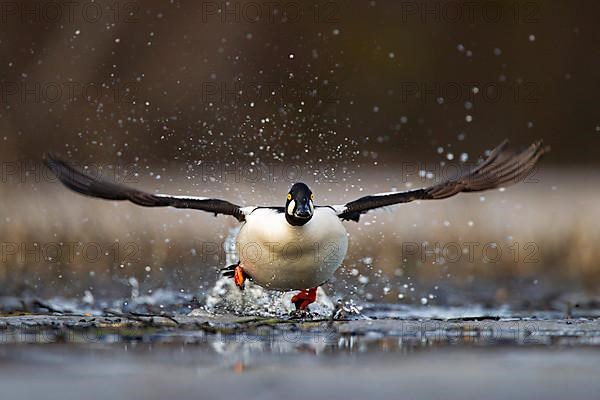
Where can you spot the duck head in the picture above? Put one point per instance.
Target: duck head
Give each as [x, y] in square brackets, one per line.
[299, 207]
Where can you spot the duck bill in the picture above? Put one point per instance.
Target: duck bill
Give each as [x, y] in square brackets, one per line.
[303, 212]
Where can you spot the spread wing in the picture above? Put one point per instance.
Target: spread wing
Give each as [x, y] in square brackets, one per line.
[89, 186]
[502, 167]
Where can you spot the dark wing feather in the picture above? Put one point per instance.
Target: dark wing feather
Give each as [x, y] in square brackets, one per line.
[502, 167]
[89, 186]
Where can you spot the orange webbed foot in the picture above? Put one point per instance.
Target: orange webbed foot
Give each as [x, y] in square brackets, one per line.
[236, 272]
[239, 277]
[304, 298]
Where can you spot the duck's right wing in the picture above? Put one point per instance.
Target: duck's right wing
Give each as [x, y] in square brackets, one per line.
[89, 186]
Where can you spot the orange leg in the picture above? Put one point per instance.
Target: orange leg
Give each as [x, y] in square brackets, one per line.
[239, 277]
[304, 298]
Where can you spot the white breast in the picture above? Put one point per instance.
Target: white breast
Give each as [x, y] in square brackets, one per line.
[278, 255]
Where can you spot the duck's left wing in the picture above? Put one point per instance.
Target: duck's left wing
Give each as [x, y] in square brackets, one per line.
[90, 186]
[502, 167]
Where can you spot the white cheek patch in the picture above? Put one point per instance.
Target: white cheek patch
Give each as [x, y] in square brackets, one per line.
[291, 206]
[312, 206]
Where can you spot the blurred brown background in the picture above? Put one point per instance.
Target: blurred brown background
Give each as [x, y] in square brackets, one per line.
[238, 99]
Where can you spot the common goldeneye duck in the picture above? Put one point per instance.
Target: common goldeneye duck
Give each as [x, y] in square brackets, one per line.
[299, 246]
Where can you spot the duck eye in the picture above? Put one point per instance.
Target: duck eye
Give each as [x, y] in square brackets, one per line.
[289, 196]
[312, 196]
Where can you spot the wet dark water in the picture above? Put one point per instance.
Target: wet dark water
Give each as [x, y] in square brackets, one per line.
[151, 371]
[369, 356]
